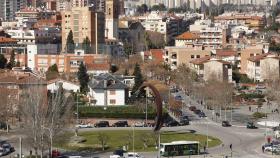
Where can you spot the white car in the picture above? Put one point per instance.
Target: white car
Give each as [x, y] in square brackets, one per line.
[133, 155]
[83, 126]
[271, 148]
[139, 124]
[115, 156]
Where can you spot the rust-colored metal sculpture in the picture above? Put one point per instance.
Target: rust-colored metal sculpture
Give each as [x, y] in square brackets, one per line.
[158, 101]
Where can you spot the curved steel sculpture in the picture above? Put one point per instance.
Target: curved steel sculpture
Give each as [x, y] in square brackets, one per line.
[158, 101]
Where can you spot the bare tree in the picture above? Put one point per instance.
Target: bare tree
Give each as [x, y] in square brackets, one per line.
[102, 138]
[44, 114]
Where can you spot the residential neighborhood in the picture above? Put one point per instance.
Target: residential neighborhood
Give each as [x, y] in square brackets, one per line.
[139, 78]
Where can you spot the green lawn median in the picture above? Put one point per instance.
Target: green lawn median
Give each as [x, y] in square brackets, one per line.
[143, 140]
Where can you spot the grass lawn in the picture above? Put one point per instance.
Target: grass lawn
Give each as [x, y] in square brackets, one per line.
[119, 138]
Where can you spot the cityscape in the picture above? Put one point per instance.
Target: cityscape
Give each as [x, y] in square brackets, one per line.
[139, 78]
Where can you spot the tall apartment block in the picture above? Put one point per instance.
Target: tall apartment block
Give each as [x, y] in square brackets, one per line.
[84, 22]
[9, 7]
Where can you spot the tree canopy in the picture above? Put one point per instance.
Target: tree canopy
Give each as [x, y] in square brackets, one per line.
[138, 78]
[3, 61]
[70, 44]
[83, 78]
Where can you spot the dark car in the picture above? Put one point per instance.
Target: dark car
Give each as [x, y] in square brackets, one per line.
[197, 111]
[119, 152]
[185, 117]
[102, 124]
[192, 108]
[201, 114]
[251, 125]
[178, 97]
[172, 123]
[120, 124]
[184, 122]
[226, 124]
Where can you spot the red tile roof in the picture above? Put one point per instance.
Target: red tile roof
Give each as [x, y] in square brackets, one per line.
[7, 40]
[157, 54]
[187, 36]
[26, 78]
[95, 66]
[200, 61]
[257, 57]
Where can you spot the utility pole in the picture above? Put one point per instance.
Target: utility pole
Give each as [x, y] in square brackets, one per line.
[147, 92]
[20, 147]
[159, 144]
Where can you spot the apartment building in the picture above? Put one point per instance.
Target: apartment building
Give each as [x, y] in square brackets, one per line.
[208, 37]
[197, 65]
[169, 26]
[217, 69]
[84, 22]
[9, 7]
[255, 21]
[175, 56]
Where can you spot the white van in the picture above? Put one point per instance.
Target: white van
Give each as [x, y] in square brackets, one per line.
[115, 156]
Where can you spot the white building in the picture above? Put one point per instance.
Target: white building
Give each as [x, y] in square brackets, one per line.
[53, 85]
[107, 90]
[218, 69]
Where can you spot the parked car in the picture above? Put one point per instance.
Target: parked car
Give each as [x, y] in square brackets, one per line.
[120, 124]
[201, 114]
[185, 117]
[251, 125]
[271, 148]
[226, 124]
[8, 148]
[172, 123]
[197, 111]
[174, 90]
[179, 98]
[150, 124]
[184, 122]
[3, 152]
[119, 152]
[192, 108]
[139, 124]
[83, 126]
[115, 156]
[132, 155]
[102, 124]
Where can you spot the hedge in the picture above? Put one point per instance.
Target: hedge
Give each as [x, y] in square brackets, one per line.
[116, 112]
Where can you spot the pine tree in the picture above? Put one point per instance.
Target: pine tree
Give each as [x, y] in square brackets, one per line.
[53, 68]
[138, 78]
[12, 62]
[70, 45]
[3, 61]
[83, 78]
[86, 45]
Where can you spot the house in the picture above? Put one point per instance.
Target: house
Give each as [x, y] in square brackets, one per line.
[54, 84]
[263, 67]
[198, 65]
[218, 69]
[107, 90]
[228, 55]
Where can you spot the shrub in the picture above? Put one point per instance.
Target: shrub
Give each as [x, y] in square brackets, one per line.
[258, 115]
[117, 112]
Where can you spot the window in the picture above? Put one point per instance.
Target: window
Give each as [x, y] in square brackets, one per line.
[192, 56]
[112, 92]
[112, 101]
[197, 56]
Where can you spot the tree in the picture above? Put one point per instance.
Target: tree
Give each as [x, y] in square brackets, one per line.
[86, 45]
[128, 49]
[70, 44]
[154, 40]
[12, 62]
[114, 68]
[83, 78]
[53, 68]
[52, 72]
[142, 9]
[138, 78]
[3, 61]
[159, 7]
[44, 115]
[102, 138]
